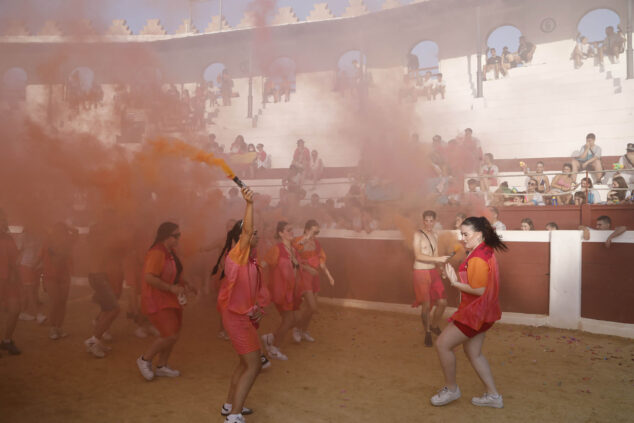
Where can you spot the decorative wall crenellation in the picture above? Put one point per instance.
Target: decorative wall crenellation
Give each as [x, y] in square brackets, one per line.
[153, 27]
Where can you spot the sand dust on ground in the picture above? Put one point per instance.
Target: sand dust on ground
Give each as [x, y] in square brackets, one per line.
[364, 367]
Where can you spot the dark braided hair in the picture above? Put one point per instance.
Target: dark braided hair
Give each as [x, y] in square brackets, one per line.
[232, 237]
[482, 225]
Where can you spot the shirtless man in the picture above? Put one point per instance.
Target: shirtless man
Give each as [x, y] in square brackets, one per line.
[428, 285]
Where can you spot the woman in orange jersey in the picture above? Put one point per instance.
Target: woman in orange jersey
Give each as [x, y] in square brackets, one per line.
[241, 299]
[479, 308]
[284, 283]
[312, 258]
[57, 266]
[162, 300]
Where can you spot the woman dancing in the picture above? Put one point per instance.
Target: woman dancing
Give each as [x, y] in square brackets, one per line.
[312, 258]
[162, 300]
[478, 310]
[284, 273]
[241, 299]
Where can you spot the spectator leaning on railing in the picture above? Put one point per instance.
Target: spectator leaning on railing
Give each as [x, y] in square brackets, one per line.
[604, 223]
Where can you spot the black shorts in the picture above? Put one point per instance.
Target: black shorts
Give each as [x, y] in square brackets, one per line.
[104, 296]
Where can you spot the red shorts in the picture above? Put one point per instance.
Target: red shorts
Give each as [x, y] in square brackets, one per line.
[428, 286]
[167, 321]
[243, 335]
[9, 289]
[469, 332]
[27, 275]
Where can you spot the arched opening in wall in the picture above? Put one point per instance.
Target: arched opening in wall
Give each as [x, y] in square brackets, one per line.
[81, 90]
[279, 80]
[599, 34]
[213, 74]
[594, 24]
[507, 48]
[504, 36]
[350, 70]
[14, 83]
[423, 58]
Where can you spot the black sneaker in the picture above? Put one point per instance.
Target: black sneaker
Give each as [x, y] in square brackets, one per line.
[436, 331]
[428, 342]
[10, 346]
[265, 362]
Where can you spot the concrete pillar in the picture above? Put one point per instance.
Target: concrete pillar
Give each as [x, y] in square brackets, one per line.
[565, 279]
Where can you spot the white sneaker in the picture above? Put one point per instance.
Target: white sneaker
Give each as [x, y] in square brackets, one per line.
[226, 409]
[26, 316]
[266, 363]
[297, 335]
[140, 332]
[52, 333]
[488, 400]
[145, 367]
[106, 336]
[235, 418]
[41, 318]
[166, 372]
[307, 337]
[275, 353]
[445, 396]
[94, 347]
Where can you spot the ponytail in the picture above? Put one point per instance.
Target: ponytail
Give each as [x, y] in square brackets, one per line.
[490, 237]
[232, 237]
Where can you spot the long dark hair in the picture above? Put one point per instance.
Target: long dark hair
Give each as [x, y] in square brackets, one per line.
[163, 232]
[310, 223]
[281, 225]
[482, 225]
[232, 237]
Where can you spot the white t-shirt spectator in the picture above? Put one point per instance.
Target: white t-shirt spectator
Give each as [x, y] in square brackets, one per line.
[499, 226]
[595, 151]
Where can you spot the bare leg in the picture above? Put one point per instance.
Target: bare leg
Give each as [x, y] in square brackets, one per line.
[424, 316]
[288, 320]
[437, 313]
[104, 320]
[158, 346]
[309, 310]
[252, 365]
[450, 337]
[235, 378]
[165, 353]
[473, 350]
[13, 312]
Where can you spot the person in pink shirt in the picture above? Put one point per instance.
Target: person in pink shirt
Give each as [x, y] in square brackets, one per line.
[241, 300]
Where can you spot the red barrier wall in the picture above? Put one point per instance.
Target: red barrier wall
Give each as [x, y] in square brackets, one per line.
[607, 282]
[381, 270]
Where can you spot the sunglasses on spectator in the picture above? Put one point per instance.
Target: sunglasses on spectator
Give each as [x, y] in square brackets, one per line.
[176, 235]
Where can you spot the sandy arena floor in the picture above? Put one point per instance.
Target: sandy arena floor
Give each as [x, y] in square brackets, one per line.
[364, 367]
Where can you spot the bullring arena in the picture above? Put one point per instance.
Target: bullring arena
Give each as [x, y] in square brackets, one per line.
[110, 127]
